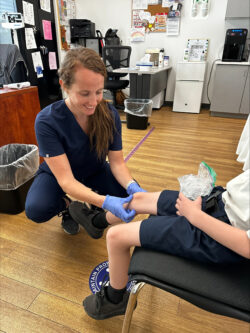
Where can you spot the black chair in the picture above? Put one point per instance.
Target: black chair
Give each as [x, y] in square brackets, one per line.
[220, 289]
[116, 56]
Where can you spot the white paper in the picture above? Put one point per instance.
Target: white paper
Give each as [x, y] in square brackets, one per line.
[137, 34]
[28, 13]
[45, 5]
[166, 3]
[140, 4]
[151, 20]
[144, 15]
[30, 39]
[153, 2]
[173, 26]
[37, 60]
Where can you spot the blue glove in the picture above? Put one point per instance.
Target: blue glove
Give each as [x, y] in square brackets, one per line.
[133, 188]
[115, 206]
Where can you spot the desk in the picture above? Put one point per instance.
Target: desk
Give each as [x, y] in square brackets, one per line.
[146, 85]
[18, 110]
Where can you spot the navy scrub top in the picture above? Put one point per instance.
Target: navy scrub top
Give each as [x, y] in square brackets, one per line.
[58, 132]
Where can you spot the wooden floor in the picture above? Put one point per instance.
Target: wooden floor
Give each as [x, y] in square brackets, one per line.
[44, 272]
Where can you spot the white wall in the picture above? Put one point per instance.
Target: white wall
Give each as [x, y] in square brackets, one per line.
[117, 14]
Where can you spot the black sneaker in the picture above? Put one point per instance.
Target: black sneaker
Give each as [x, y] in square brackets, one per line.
[70, 226]
[98, 306]
[84, 215]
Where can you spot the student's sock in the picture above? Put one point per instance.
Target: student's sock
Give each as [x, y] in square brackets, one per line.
[100, 221]
[115, 295]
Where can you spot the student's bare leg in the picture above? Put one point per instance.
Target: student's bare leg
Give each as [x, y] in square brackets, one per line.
[142, 202]
[120, 239]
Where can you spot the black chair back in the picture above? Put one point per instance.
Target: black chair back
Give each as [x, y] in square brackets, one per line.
[116, 56]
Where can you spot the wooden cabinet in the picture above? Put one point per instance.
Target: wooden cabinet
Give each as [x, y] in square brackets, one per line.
[18, 110]
[231, 89]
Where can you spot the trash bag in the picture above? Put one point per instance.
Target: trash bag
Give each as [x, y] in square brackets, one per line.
[18, 164]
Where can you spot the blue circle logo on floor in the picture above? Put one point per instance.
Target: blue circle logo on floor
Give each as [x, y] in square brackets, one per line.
[100, 275]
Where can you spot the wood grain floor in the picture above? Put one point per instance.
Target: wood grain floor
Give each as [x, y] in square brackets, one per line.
[44, 272]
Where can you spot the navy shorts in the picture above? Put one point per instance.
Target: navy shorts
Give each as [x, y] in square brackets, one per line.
[170, 233]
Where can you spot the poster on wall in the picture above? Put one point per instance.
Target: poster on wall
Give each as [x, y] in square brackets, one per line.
[67, 11]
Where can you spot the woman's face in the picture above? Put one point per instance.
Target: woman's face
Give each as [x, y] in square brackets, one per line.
[86, 91]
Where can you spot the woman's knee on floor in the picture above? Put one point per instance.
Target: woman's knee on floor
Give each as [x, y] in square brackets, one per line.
[38, 211]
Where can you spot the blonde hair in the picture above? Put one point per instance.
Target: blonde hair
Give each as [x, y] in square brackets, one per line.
[101, 123]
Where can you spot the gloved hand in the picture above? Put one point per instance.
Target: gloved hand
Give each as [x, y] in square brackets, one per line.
[133, 188]
[115, 206]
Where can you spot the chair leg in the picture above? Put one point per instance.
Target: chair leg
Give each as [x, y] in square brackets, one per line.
[130, 307]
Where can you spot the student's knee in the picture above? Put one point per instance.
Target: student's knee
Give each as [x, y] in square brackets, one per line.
[113, 235]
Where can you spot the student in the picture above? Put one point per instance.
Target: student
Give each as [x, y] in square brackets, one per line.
[74, 137]
[214, 229]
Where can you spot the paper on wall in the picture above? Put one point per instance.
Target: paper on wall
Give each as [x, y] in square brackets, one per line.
[173, 26]
[30, 39]
[28, 13]
[45, 5]
[52, 60]
[167, 3]
[140, 4]
[37, 60]
[144, 15]
[137, 34]
[47, 31]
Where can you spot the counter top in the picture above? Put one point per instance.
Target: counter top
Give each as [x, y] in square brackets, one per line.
[133, 70]
[242, 63]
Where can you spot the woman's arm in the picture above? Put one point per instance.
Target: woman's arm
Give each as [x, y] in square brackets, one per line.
[60, 167]
[119, 168]
[229, 236]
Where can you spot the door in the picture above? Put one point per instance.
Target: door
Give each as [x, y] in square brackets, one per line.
[245, 102]
[229, 83]
[48, 85]
[187, 96]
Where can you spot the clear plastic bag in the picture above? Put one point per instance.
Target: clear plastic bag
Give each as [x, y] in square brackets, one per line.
[18, 164]
[193, 186]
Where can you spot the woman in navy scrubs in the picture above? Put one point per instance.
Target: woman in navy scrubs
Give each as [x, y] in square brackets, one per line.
[74, 137]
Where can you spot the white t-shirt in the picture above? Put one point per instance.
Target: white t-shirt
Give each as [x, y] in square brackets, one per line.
[237, 201]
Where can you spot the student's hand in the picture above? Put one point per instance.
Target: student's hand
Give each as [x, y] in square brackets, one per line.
[133, 188]
[115, 206]
[186, 207]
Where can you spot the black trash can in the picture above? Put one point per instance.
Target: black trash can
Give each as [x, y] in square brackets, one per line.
[18, 165]
[137, 112]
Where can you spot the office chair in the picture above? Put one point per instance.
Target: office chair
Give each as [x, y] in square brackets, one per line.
[116, 56]
[220, 289]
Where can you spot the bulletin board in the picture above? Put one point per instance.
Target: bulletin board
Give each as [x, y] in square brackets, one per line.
[66, 10]
[159, 24]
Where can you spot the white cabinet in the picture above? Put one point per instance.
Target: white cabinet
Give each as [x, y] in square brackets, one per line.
[238, 9]
[189, 86]
[231, 88]
[245, 102]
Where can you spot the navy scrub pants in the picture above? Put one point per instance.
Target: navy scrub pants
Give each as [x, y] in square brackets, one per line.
[45, 197]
